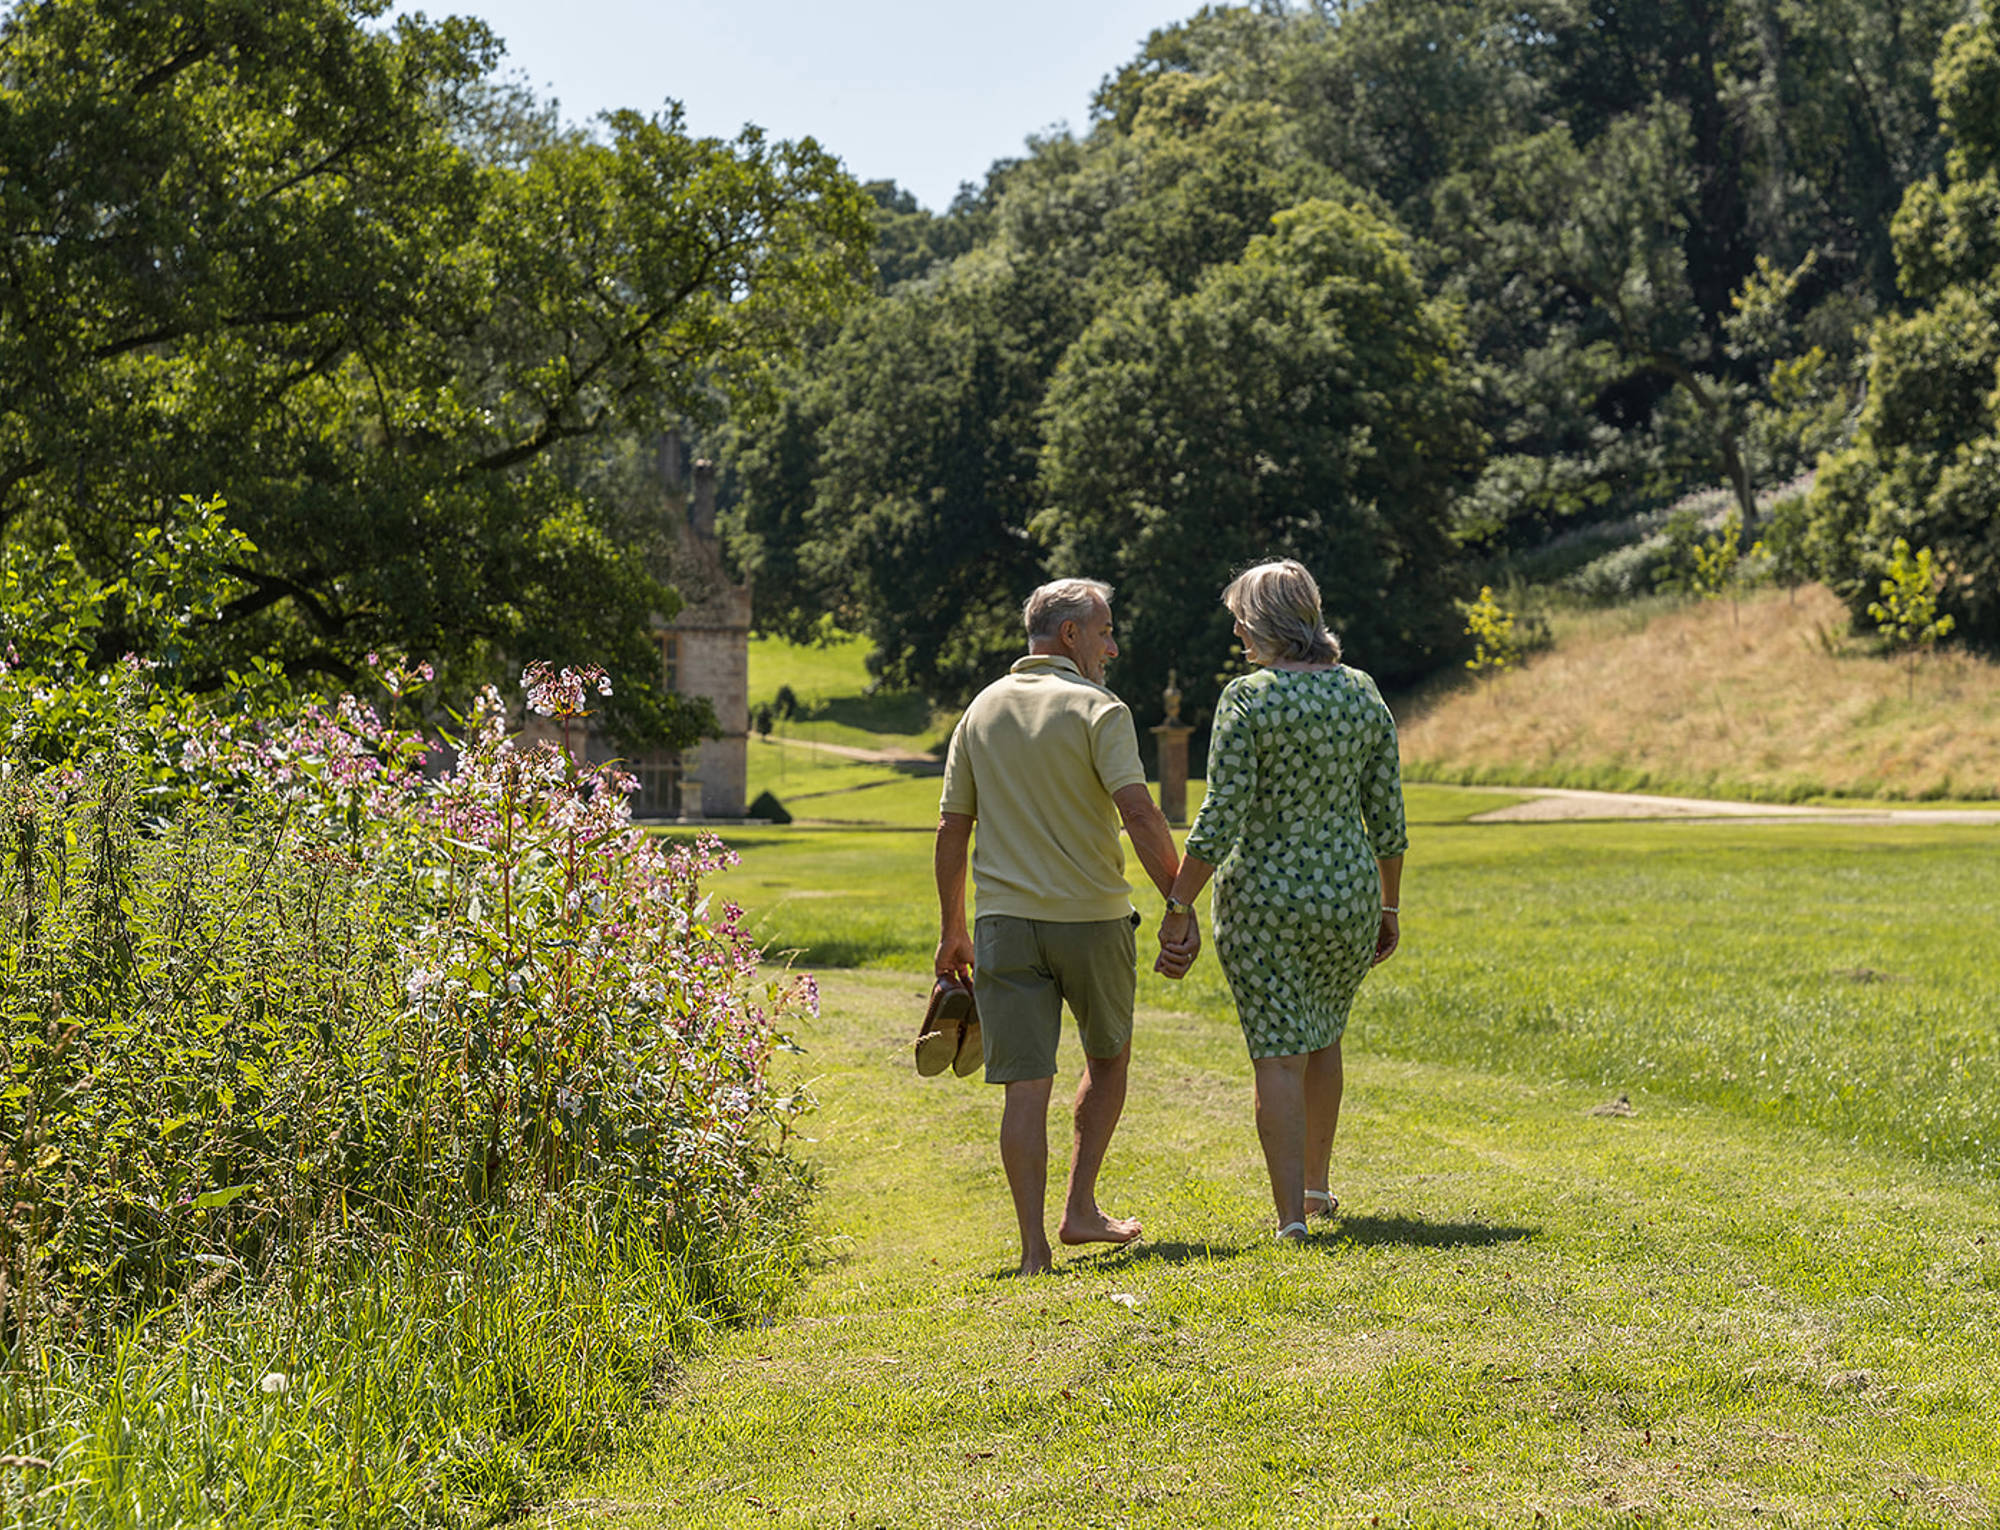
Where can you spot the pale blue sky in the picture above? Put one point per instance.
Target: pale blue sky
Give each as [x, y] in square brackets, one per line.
[926, 94]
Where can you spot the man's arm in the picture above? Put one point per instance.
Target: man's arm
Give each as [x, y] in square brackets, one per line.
[954, 842]
[1147, 828]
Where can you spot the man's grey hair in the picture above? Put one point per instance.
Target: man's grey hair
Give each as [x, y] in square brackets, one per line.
[1278, 604]
[1063, 600]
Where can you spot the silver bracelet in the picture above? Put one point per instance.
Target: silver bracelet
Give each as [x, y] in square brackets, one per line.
[1390, 908]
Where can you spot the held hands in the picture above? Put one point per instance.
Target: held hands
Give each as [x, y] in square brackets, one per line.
[1180, 943]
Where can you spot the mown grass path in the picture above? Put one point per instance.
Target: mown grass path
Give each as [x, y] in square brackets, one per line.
[1526, 1314]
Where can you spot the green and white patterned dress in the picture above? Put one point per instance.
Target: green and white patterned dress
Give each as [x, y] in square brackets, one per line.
[1304, 794]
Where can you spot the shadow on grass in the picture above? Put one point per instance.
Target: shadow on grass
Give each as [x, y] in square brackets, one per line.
[1091, 1259]
[1415, 1232]
[1163, 1252]
[903, 712]
[822, 952]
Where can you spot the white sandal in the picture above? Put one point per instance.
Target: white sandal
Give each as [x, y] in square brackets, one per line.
[1328, 1203]
[1291, 1232]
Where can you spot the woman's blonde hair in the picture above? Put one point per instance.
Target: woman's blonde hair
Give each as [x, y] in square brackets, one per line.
[1278, 604]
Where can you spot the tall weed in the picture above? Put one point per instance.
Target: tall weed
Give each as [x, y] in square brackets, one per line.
[376, 1081]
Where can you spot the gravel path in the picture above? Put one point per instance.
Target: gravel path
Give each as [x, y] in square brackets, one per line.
[1553, 805]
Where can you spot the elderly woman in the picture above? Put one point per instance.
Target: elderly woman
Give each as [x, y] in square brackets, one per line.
[1304, 819]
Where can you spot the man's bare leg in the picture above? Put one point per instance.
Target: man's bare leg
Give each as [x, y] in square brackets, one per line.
[1024, 1154]
[1323, 1088]
[1100, 1097]
[1281, 1128]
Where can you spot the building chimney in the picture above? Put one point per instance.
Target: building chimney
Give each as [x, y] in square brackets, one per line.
[701, 511]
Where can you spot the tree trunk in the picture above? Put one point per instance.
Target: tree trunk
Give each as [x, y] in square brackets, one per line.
[1739, 480]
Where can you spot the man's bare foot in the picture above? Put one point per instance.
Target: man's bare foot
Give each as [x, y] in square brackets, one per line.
[1036, 1261]
[1095, 1227]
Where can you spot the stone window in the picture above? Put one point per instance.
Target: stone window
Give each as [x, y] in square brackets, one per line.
[670, 661]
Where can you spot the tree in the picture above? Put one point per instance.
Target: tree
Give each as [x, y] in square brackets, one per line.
[1496, 647]
[1305, 401]
[250, 253]
[1924, 466]
[895, 488]
[1907, 614]
[1656, 224]
[1596, 181]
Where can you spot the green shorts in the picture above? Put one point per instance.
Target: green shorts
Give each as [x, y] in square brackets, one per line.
[1022, 972]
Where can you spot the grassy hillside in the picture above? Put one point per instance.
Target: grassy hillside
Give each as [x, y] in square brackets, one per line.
[830, 685]
[836, 705]
[1766, 698]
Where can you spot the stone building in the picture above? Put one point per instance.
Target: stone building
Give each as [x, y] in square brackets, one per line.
[704, 651]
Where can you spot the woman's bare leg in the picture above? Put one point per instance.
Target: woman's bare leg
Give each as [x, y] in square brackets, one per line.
[1281, 1128]
[1323, 1084]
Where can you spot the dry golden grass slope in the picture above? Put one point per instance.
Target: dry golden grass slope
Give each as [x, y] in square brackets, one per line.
[1768, 698]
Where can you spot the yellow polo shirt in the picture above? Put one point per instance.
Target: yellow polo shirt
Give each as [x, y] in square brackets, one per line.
[1035, 760]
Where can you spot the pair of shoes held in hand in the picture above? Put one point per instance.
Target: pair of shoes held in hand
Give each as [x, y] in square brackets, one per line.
[949, 1036]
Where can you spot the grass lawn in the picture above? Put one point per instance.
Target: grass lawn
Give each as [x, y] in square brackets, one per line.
[1769, 1295]
[830, 682]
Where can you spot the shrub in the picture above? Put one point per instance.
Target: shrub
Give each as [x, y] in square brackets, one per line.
[1622, 575]
[768, 807]
[1785, 544]
[342, 1000]
[1490, 625]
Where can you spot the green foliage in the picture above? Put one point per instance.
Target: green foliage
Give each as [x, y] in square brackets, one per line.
[452, 1383]
[369, 1141]
[1490, 625]
[340, 989]
[1715, 560]
[911, 242]
[1681, 540]
[1924, 466]
[253, 255]
[1785, 546]
[1304, 401]
[1695, 561]
[895, 491]
[73, 684]
[1907, 615]
[1659, 229]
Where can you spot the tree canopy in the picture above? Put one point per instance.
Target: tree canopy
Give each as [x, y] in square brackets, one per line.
[1924, 465]
[277, 252]
[1638, 248]
[1303, 401]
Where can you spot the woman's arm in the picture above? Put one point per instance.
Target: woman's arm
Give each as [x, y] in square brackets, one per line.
[1390, 868]
[1180, 939]
[1232, 786]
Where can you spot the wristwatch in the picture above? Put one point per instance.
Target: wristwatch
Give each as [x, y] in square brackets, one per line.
[1175, 906]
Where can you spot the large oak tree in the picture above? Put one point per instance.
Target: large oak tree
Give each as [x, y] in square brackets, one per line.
[253, 249]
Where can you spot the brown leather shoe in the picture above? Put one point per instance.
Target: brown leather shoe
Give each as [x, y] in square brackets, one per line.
[943, 1028]
[971, 1054]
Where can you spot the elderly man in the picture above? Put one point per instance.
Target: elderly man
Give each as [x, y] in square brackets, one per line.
[1046, 761]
